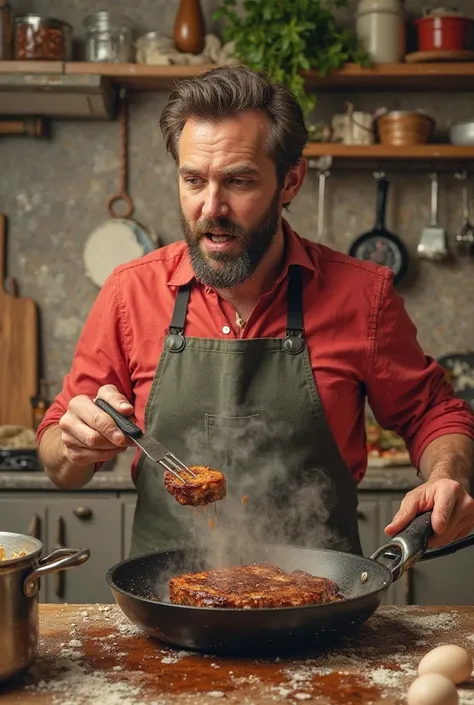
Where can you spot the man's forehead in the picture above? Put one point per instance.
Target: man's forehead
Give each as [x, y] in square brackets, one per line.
[250, 128]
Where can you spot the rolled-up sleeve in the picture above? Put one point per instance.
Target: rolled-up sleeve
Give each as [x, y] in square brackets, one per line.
[407, 390]
[100, 356]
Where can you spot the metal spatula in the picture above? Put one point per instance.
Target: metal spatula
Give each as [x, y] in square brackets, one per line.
[432, 244]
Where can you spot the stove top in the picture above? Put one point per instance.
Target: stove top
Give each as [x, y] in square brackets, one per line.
[22, 459]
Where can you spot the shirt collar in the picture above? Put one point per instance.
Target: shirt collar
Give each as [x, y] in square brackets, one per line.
[295, 254]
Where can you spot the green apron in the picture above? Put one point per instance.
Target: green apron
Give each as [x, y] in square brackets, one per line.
[251, 409]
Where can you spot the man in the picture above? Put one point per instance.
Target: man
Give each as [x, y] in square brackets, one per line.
[251, 350]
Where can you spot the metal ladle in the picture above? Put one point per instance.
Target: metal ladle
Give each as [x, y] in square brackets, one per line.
[465, 237]
[322, 165]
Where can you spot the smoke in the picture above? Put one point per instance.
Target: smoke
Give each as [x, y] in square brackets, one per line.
[269, 500]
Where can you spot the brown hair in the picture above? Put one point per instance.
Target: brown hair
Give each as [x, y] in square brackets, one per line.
[227, 90]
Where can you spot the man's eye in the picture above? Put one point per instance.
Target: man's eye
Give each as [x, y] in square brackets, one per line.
[241, 182]
[193, 181]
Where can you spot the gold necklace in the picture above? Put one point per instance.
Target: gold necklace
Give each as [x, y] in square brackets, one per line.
[240, 321]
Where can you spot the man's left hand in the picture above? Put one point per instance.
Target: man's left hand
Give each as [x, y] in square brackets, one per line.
[453, 511]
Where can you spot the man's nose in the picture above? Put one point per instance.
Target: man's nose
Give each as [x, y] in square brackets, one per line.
[214, 205]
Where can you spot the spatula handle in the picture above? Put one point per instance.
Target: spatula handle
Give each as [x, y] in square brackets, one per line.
[123, 422]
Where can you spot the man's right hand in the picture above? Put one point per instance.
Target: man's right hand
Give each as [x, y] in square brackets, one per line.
[88, 434]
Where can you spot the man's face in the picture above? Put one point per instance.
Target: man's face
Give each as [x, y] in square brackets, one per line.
[230, 200]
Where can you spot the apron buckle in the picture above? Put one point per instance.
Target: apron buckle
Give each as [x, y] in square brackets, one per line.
[293, 343]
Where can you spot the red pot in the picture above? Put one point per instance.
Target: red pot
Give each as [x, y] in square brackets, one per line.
[448, 33]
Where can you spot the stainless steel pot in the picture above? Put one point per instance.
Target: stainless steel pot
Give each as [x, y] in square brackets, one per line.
[19, 586]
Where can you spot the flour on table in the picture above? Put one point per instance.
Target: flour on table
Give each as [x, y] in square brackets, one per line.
[175, 657]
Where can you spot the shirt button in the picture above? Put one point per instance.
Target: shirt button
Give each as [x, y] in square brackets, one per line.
[226, 330]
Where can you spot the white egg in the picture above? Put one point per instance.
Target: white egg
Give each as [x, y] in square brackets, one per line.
[449, 660]
[432, 689]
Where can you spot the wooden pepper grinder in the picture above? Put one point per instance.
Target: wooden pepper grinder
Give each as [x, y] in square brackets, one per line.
[189, 29]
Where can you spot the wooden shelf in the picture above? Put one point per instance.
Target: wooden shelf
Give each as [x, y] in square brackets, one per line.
[447, 76]
[421, 152]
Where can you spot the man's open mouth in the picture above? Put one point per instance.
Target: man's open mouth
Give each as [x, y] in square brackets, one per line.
[218, 237]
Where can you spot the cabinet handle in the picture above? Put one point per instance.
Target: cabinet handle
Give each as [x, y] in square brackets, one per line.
[361, 515]
[83, 512]
[60, 543]
[408, 587]
[34, 527]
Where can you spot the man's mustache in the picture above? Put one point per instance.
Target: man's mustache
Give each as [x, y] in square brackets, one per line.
[208, 225]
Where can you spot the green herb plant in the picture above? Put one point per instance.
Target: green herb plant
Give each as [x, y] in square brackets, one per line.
[285, 37]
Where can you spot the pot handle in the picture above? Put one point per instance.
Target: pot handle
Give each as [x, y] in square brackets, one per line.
[409, 546]
[57, 560]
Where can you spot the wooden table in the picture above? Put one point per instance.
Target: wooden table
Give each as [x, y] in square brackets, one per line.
[93, 654]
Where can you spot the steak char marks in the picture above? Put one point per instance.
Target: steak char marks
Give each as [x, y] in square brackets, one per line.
[252, 586]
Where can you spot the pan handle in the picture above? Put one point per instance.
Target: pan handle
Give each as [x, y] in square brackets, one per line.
[382, 191]
[409, 546]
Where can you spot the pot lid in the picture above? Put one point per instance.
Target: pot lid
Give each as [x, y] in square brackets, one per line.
[443, 12]
[365, 6]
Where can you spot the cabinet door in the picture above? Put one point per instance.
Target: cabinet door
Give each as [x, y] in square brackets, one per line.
[93, 523]
[128, 514]
[439, 581]
[25, 515]
[368, 517]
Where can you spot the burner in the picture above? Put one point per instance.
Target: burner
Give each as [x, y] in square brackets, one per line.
[19, 459]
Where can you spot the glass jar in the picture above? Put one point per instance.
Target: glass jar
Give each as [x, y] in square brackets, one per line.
[42, 38]
[109, 38]
[6, 31]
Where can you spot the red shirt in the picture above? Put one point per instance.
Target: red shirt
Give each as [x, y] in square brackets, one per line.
[359, 335]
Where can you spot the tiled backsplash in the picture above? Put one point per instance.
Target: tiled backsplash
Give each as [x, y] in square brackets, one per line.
[55, 191]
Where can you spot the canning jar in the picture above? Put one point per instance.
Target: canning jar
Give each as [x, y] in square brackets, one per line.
[6, 31]
[109, 37]
[381, 29]
[42, 38]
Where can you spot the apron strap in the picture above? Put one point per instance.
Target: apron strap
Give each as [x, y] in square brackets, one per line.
[175, 340]
[294, 339]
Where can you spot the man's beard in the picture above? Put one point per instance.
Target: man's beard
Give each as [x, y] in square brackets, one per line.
[235, 268]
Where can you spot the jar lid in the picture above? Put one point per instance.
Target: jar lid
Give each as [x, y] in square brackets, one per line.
[365, 6]
[105, 20]
[37, 20]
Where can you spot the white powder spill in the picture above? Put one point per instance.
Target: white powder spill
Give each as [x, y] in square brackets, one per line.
[302, 696]
[76, 686]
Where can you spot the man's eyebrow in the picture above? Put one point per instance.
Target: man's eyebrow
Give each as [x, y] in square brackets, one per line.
[243, 169]
[191, 170]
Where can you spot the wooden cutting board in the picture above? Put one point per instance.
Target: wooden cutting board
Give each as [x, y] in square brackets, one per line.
[18, 349]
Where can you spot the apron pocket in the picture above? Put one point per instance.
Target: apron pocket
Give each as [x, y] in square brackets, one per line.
[238, 436]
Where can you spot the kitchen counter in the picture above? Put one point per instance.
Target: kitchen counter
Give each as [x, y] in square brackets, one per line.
[93, 653]
[119, 479]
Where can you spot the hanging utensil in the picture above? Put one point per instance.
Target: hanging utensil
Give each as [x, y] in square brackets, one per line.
[432, 244]
[380, 245]
[122, 238]
[465, 237]
[323, 165]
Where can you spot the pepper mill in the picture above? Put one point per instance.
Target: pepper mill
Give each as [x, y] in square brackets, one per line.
[189, 29]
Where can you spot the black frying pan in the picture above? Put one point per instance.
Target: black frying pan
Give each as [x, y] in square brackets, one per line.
[379, 244]
[139, 586]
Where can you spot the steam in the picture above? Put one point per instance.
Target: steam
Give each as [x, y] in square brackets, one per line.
[266, 502]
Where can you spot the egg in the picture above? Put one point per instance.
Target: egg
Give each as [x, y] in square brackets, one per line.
[449, 660]
[432, 689]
